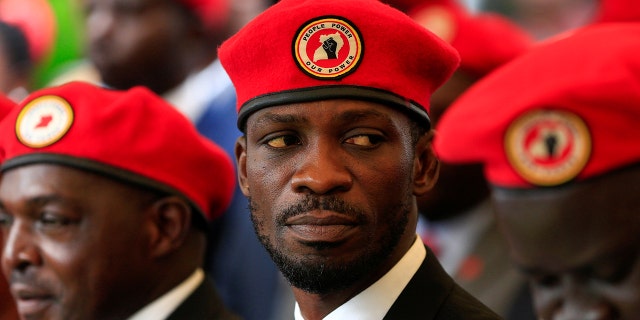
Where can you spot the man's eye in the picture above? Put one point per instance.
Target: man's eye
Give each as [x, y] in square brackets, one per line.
[283, 141]
[53, 220]
[365, 140]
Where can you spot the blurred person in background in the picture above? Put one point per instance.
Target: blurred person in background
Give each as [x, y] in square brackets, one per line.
[456, 215]
[16, 65]
[557, 130]
[170, 47]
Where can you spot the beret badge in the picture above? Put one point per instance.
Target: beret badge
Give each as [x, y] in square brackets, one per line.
[328, 47]
[44, 121]
[548, 148]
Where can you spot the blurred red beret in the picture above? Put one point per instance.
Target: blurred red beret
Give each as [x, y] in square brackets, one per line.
[130, 135]
[214, 14]
[618, 10]
[36, 20]
[6, 105]
[309, 50]
[568, 110]
[484, 40]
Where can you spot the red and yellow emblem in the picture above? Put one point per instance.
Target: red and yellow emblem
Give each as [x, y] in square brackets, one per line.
[44, 121]
[548, 147]
[328, 47]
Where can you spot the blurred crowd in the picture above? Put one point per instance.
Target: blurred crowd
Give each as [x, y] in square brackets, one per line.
[526, 243]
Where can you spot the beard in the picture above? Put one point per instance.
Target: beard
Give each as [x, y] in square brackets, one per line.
[327, 276]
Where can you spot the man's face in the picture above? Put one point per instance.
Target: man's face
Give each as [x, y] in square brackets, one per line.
[74, 243]
[331, 187]
[137, 42]
[579, 245]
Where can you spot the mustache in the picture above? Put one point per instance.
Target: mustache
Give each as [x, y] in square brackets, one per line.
[334, 204]
[28, 279]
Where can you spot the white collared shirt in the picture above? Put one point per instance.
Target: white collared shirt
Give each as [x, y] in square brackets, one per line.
[374, 302]
[193, 95]
[162, 307]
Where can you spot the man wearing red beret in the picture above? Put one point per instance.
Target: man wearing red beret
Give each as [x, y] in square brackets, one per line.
[333, 102]
[104, 200]
[456, 217]
[557, 131]
[170, 46]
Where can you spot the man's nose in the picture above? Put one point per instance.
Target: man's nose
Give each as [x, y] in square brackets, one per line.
[19, 250]
[324, 169]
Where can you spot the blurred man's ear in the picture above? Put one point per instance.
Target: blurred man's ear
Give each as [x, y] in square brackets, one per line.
[170, 222]
[426, 165]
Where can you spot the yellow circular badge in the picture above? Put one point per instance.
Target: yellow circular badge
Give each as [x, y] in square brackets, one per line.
[44, 121]
[548, 147]
[328, 47]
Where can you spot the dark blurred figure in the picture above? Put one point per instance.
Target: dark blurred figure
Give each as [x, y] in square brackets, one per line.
[170, 47]
[16, 65]
[457, 218]
[558, 130]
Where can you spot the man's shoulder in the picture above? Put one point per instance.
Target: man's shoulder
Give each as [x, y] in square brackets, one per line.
[432, 294]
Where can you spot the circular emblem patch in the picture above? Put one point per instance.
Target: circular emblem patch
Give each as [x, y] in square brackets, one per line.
[328, 48]
[548, 148]
[44, 121]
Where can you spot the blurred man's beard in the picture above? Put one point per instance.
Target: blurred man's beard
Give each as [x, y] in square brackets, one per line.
[329, 276]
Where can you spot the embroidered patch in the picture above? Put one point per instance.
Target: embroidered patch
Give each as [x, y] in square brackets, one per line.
[548, 148]
[328, 48]
[439, 20]
[44, 121]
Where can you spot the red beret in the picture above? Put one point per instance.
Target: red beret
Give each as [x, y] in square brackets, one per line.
[309, 50]
[6, 105]
[131, 135]
[36, 19]
[567, 110]
[214, 14]
[484, 40]
[618, 10]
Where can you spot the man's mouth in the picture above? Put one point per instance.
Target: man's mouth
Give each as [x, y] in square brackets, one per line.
[31, 300]
[321, 226]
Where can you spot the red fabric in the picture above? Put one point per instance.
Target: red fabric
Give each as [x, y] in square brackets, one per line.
[484, 40]
[618, 10]
[592, 73]
[132, 130]
[5, 106]
[398, 55]
[36, 19]
[213, 13]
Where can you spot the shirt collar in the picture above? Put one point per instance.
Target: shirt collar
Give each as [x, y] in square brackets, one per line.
[375, 301]
[162, 307]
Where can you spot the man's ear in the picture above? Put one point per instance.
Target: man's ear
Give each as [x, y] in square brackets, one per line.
[426, 165]
[171, 219]
[241, 160]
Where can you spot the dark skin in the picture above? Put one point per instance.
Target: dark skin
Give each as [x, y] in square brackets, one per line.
[78, 245]
[460, 186]
[579, 245]
[154, 43]
[333, 184]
